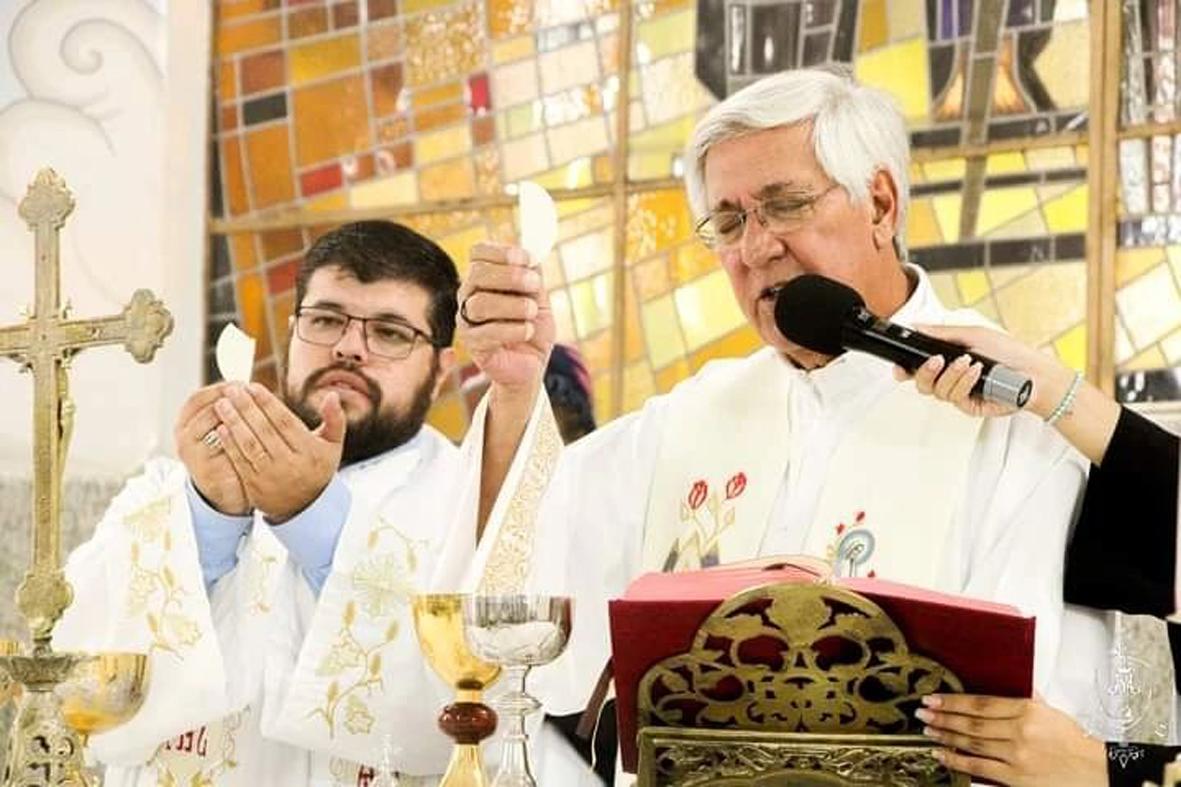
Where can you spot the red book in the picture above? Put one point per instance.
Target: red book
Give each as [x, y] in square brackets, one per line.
[989, 646]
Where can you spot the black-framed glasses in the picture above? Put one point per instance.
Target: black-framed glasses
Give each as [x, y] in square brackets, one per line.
[385, 338]
[724, 228]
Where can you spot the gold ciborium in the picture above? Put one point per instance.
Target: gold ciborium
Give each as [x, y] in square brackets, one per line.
[438, 621]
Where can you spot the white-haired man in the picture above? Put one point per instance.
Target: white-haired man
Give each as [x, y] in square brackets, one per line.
[787, 450]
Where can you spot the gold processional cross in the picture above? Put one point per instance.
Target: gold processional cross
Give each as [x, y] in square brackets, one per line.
[44, 345]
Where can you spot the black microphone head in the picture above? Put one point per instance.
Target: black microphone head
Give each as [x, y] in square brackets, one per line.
[810, 311]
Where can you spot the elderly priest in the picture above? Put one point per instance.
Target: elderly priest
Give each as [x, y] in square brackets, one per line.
[787, 450]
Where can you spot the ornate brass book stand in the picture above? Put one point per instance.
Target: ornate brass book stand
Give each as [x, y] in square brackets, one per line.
[802, 684]
[44, 746]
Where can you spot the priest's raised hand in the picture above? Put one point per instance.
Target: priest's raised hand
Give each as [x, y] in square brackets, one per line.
[283, 465]
[199, 448]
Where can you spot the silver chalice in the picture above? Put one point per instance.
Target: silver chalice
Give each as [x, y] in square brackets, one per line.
[518, 633]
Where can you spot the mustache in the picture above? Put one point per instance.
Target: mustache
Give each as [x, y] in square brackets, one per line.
[372, 389]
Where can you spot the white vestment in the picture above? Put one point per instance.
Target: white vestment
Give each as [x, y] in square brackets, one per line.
[754, 457]
[261, 683]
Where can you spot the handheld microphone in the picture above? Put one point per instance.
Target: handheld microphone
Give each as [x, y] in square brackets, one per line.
[828, 317]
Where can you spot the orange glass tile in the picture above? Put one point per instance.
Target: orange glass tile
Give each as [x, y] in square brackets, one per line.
[331, 119]
[691, 261]
[448, 180]
[252, 311]
[509, 17]
[280, 243]
[656, 220]
[358, 168]
[345, 14]
[668, 377]
[228, 118]
[604, 169]
[449, 415]
[737, 344]
[380, 9]
[652, 279]
[227, 80]
[386, 84]
[236, 9]
[242, 252]
[873, 25]
[266, 374]
[282, 307]
[236, 197]
[270, 166]
[325, 57]
[437, 117]
[596, 352]
[444, 45]
[452, 91]
[483, 130]
[304, 22]
[263, 71]
[393, 129]
[383, 42]
[395, 157]
[251, 34]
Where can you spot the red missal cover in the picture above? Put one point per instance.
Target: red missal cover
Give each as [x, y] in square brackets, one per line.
[988, 645]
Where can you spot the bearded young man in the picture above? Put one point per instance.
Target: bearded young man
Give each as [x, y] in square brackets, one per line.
[268, 571]
[786, 451]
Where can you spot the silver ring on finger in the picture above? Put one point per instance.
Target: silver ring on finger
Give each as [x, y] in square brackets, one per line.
[212, 440]
[464, 315]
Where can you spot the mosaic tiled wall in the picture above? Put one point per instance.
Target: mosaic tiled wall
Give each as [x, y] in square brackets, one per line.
[336, 105]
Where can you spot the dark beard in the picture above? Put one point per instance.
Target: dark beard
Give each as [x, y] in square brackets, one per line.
[378, 431]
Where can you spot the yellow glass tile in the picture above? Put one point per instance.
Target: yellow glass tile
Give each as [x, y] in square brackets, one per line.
[602, 396]
[444, 45]
[649, 166]
[559, 304]
[585, 137]
[651, 278]
[946, 289]
[414, 6]
[509, 17]
[987, 310]
[1152, 358]
[1150, 306]
[1062, 70]
[322, 58]
[514, 83]
[1044, 304]
[638, 385]
[572, 65]
[1067, 213]
[568, 207]
[587, 255]
[1082, 155]
[591, 301]
[596, 214]
[947, 213]
[691, 261]
[998, 206]
[668, 377]
[946, 169]
[906, 18]
[1072, 347]
[662, 331]
[524, 157]
[400, 189]
[439, 145]
[452, 91]
[668, 34]
[738, 344]
[1174, 255]
[1123, 345]
[922, 229]
[1024, 226]
[1171, 346]
[707, 309]
[973, 286]
[1130, 263]
[1051, 191]
[436, 117]
[249, 35]
[881, 67]
[337, 200]
[512, 49]
[522, 119]
[873, 25]
[449, 180]
[916, 174]
[1050, 158]
[449, 416]
[459, 245]
[656, 221]
[331, 119]
[1004, 163]
[1004, 275]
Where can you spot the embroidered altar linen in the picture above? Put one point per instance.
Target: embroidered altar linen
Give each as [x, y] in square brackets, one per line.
[262, 684]
[755, 457]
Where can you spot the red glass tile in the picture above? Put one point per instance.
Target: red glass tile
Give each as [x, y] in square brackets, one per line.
[321, 179]
[479, 97]
[307, 22]
[263, 71]
[281, 276]
[280, 243]
[379, 9]
[344, 15]
[228, 118]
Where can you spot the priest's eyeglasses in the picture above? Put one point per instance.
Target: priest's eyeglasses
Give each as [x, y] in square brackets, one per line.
[383, 337]
[724, 228]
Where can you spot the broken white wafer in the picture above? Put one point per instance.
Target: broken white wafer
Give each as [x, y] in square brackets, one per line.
[235, 354]
[537, 221]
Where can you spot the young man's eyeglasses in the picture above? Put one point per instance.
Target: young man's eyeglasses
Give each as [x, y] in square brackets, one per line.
[724, 228]
[383, 337]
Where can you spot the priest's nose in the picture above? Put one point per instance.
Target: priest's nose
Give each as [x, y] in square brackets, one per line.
[351, 345]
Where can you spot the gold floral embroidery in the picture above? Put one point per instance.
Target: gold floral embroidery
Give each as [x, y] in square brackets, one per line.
[227, 759]
[153, 590]
[382, 586]
[511, 558]
[262, 566]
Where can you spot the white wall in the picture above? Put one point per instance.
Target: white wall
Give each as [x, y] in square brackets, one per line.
[113, 94]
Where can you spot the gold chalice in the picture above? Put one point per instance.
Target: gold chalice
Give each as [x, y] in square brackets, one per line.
[102, 692]
[438, 621]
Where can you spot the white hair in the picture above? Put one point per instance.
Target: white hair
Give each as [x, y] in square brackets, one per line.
[856, 131]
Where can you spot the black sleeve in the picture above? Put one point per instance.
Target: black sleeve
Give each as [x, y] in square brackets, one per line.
[1123, 552]
[1132, 764]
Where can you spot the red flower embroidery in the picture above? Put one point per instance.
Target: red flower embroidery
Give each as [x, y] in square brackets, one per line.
[872, 574]
[840, 528]
[735, 486]
[697, 494]
[860, 517]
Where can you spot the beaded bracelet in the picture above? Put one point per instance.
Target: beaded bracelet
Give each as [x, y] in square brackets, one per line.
[1067, 402]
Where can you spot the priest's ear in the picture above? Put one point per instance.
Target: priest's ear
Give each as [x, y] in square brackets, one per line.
[883, 202]
[445, 367]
